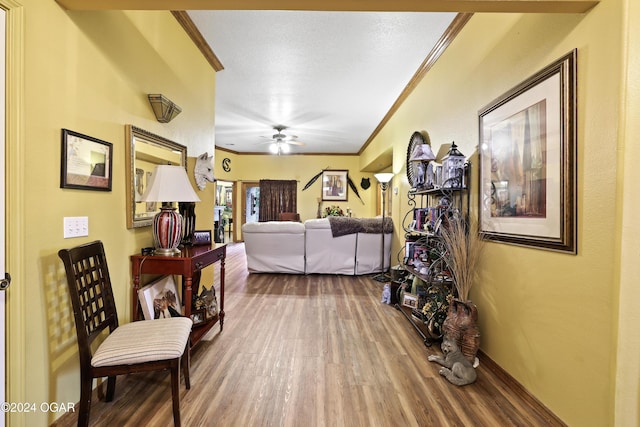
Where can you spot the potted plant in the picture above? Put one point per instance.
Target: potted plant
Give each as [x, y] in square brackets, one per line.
[333, 210]
[463, 249]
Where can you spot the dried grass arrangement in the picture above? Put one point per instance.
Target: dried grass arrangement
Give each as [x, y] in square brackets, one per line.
[463, 250]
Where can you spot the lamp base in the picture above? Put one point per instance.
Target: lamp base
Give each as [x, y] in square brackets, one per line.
[167, 231]
[167, 252]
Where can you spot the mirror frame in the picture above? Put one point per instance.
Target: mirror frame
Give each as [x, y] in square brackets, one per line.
[134, 134]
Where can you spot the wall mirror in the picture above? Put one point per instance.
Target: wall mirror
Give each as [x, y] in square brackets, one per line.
[144, 152]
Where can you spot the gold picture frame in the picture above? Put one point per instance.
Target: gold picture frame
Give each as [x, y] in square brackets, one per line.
[528, 161]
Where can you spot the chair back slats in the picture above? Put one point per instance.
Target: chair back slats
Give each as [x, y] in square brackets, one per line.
[90, 290]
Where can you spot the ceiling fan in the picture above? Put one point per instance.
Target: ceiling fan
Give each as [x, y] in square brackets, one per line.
[280, 142]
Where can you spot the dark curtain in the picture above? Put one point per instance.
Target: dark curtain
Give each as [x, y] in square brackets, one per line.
[277, 196]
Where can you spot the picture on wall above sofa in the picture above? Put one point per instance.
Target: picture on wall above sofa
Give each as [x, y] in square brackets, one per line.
[334, 185]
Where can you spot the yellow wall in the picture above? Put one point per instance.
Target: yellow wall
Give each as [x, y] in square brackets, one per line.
[302, 169]
[549, 319]
[89, 72]
[627, 387]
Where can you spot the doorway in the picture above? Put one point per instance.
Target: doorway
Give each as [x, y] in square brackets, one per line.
[223, 215]
[250, 203]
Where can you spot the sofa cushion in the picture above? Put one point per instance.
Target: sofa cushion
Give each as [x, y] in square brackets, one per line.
[281, 227]
[317, 223]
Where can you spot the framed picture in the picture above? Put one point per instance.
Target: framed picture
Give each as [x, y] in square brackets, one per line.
[198, 316]
[334, 185]
[201, 237]
[160, 299]
[528, 161]
[410, 300]
[85, 163]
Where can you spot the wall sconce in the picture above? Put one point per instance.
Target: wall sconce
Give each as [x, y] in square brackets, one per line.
[164, 109]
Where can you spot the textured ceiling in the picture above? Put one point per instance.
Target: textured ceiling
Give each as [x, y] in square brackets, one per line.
[329, 77]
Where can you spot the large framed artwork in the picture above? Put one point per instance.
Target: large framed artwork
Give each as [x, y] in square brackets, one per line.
[528, 161]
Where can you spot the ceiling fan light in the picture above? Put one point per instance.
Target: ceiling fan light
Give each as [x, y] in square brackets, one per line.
[284, 147]
[273, 148]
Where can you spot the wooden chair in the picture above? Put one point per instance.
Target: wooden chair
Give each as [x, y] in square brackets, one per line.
[134, 347]
[289, 216]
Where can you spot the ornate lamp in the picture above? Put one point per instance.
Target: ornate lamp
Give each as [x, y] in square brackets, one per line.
[453, 168]
[170, 184]
[383, 179]
[422, 154]
[164, 109]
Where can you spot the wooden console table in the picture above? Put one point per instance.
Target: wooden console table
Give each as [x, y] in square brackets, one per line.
[188, 264]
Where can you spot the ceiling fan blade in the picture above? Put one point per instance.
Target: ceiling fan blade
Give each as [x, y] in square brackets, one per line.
[293, 142]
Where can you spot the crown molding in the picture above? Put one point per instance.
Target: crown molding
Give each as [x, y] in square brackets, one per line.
[441, 45]
[463, 6]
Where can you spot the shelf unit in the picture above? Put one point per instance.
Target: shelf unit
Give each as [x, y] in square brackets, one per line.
[423, 302]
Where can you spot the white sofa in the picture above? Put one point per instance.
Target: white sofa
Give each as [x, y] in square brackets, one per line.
[274, 247]
[310, 248]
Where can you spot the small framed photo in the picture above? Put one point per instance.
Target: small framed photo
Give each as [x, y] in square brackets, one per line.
[201, 237]
[334, 185]
[86, 162]
[198, 316]
[160, 299]
[410, 300]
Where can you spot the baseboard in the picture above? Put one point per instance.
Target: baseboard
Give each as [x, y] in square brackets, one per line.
[519, 390]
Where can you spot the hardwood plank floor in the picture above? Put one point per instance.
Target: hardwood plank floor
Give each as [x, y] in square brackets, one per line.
[315, 350]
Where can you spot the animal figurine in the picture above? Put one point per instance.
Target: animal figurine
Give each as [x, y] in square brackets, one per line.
[420, 175]
[207, 300]
[456, 368]
[203, 170]
[386, 294]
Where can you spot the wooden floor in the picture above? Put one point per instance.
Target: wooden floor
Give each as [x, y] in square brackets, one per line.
[315, 350]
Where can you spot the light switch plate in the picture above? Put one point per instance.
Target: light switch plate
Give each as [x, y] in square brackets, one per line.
[76, 226]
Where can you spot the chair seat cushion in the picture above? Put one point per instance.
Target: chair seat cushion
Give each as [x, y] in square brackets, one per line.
[144, 341]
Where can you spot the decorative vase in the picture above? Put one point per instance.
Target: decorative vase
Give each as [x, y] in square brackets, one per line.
[461, 325]
[167, 231]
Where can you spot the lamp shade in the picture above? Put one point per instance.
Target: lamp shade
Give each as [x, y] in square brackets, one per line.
[384, 178]
[422, 153]
[170, 184]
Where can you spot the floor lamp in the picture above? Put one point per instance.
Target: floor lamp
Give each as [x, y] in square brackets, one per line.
[383, 179]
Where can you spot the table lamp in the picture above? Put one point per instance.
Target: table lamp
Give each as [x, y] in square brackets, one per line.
[422, 154]
[169, 184]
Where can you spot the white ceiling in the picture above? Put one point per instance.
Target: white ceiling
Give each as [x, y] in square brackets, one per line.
[329, 77]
